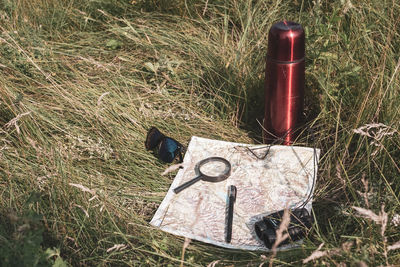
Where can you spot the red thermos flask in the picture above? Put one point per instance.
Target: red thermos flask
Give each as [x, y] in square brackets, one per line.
[284, 82]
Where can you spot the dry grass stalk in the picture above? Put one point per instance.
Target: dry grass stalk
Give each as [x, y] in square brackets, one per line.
[339, 175]
[173, 168]
[380, 219]
[101, 98]
[185, 245]
[319, 254]
[394, 246]
[316, 254]
[83, 188]
[84, 211]
[395, 220]
[14, 121]
[376, 131]
[213, 263]
[366, 189]
[116, 247]
[280, 236]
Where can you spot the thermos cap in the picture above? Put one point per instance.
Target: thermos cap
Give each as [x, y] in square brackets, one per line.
[286, 42]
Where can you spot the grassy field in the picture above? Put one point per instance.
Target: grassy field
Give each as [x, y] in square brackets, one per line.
[82, 81]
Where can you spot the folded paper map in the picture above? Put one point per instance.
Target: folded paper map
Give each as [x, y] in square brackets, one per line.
[283, 178]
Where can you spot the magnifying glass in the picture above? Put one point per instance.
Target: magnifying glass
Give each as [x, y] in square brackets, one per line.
[213, 169]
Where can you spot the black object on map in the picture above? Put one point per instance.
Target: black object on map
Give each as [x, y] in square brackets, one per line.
[300, 224]
[231, 200]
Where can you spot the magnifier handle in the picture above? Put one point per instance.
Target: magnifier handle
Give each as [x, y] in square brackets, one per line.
[187, 184]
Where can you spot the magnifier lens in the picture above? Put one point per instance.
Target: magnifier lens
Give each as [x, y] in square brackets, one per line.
[213, 168]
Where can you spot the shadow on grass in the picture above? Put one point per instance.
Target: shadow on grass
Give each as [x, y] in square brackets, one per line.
[23, 240]
[244, 97]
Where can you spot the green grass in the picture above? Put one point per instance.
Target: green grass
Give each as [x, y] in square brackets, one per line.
[86, 79]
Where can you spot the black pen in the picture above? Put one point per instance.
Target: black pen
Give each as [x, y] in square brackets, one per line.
[231, 200]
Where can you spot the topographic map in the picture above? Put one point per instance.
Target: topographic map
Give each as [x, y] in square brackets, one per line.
[285, 177]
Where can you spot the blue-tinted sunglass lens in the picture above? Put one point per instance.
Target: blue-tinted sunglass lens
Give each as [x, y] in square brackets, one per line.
[153, 138]
[168, 149]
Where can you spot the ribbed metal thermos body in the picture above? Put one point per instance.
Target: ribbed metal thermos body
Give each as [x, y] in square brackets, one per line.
[284, 82]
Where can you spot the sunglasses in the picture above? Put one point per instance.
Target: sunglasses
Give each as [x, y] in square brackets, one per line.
[168, 148]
